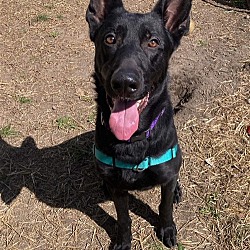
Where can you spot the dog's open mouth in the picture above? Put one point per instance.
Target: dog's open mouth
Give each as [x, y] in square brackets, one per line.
[125, 115]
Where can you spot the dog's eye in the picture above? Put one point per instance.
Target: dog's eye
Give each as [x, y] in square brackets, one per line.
[153, 43]
[110, 39]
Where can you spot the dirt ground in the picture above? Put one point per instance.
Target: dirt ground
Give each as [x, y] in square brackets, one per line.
[51, 195]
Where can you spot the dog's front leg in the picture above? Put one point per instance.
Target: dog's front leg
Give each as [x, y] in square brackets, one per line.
[120, 199]
[167, 229]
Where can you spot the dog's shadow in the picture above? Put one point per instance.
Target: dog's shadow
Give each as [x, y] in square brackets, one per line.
[61, 176]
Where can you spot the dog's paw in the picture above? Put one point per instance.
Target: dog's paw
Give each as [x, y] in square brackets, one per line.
[167, 235]
[122, 247]
[177, 193]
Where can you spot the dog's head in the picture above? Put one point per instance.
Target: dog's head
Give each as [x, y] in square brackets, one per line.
[132, 54]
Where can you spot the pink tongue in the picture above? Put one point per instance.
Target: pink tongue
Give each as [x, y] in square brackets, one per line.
[124, 119]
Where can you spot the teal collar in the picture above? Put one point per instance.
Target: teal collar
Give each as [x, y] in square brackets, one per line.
[146, 163]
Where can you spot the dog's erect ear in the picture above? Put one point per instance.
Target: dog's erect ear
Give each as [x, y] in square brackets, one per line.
[97, 11]
[176, 16]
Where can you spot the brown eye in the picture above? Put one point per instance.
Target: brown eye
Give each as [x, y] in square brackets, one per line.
[110, 39]
[153, 43]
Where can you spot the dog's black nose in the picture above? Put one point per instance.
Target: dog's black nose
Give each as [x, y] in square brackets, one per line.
[125, 84]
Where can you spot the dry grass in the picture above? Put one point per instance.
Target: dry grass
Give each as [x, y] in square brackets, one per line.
[217, 168]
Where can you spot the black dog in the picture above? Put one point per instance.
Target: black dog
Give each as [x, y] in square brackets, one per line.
[136, 144]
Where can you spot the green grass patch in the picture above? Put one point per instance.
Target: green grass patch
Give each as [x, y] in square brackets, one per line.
[42, 18]
[91, 118]
[54, 34]
[210, 208]
[24, 100]
[180, 247]
[202, 43]
[66, 123]
[7, 131]
[86, 98]
[60, 17]
[157, 246]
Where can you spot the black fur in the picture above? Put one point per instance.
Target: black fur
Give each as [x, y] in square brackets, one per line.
[131, 60]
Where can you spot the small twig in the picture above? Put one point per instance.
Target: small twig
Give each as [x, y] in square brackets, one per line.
[245, 61]
[93, 235]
